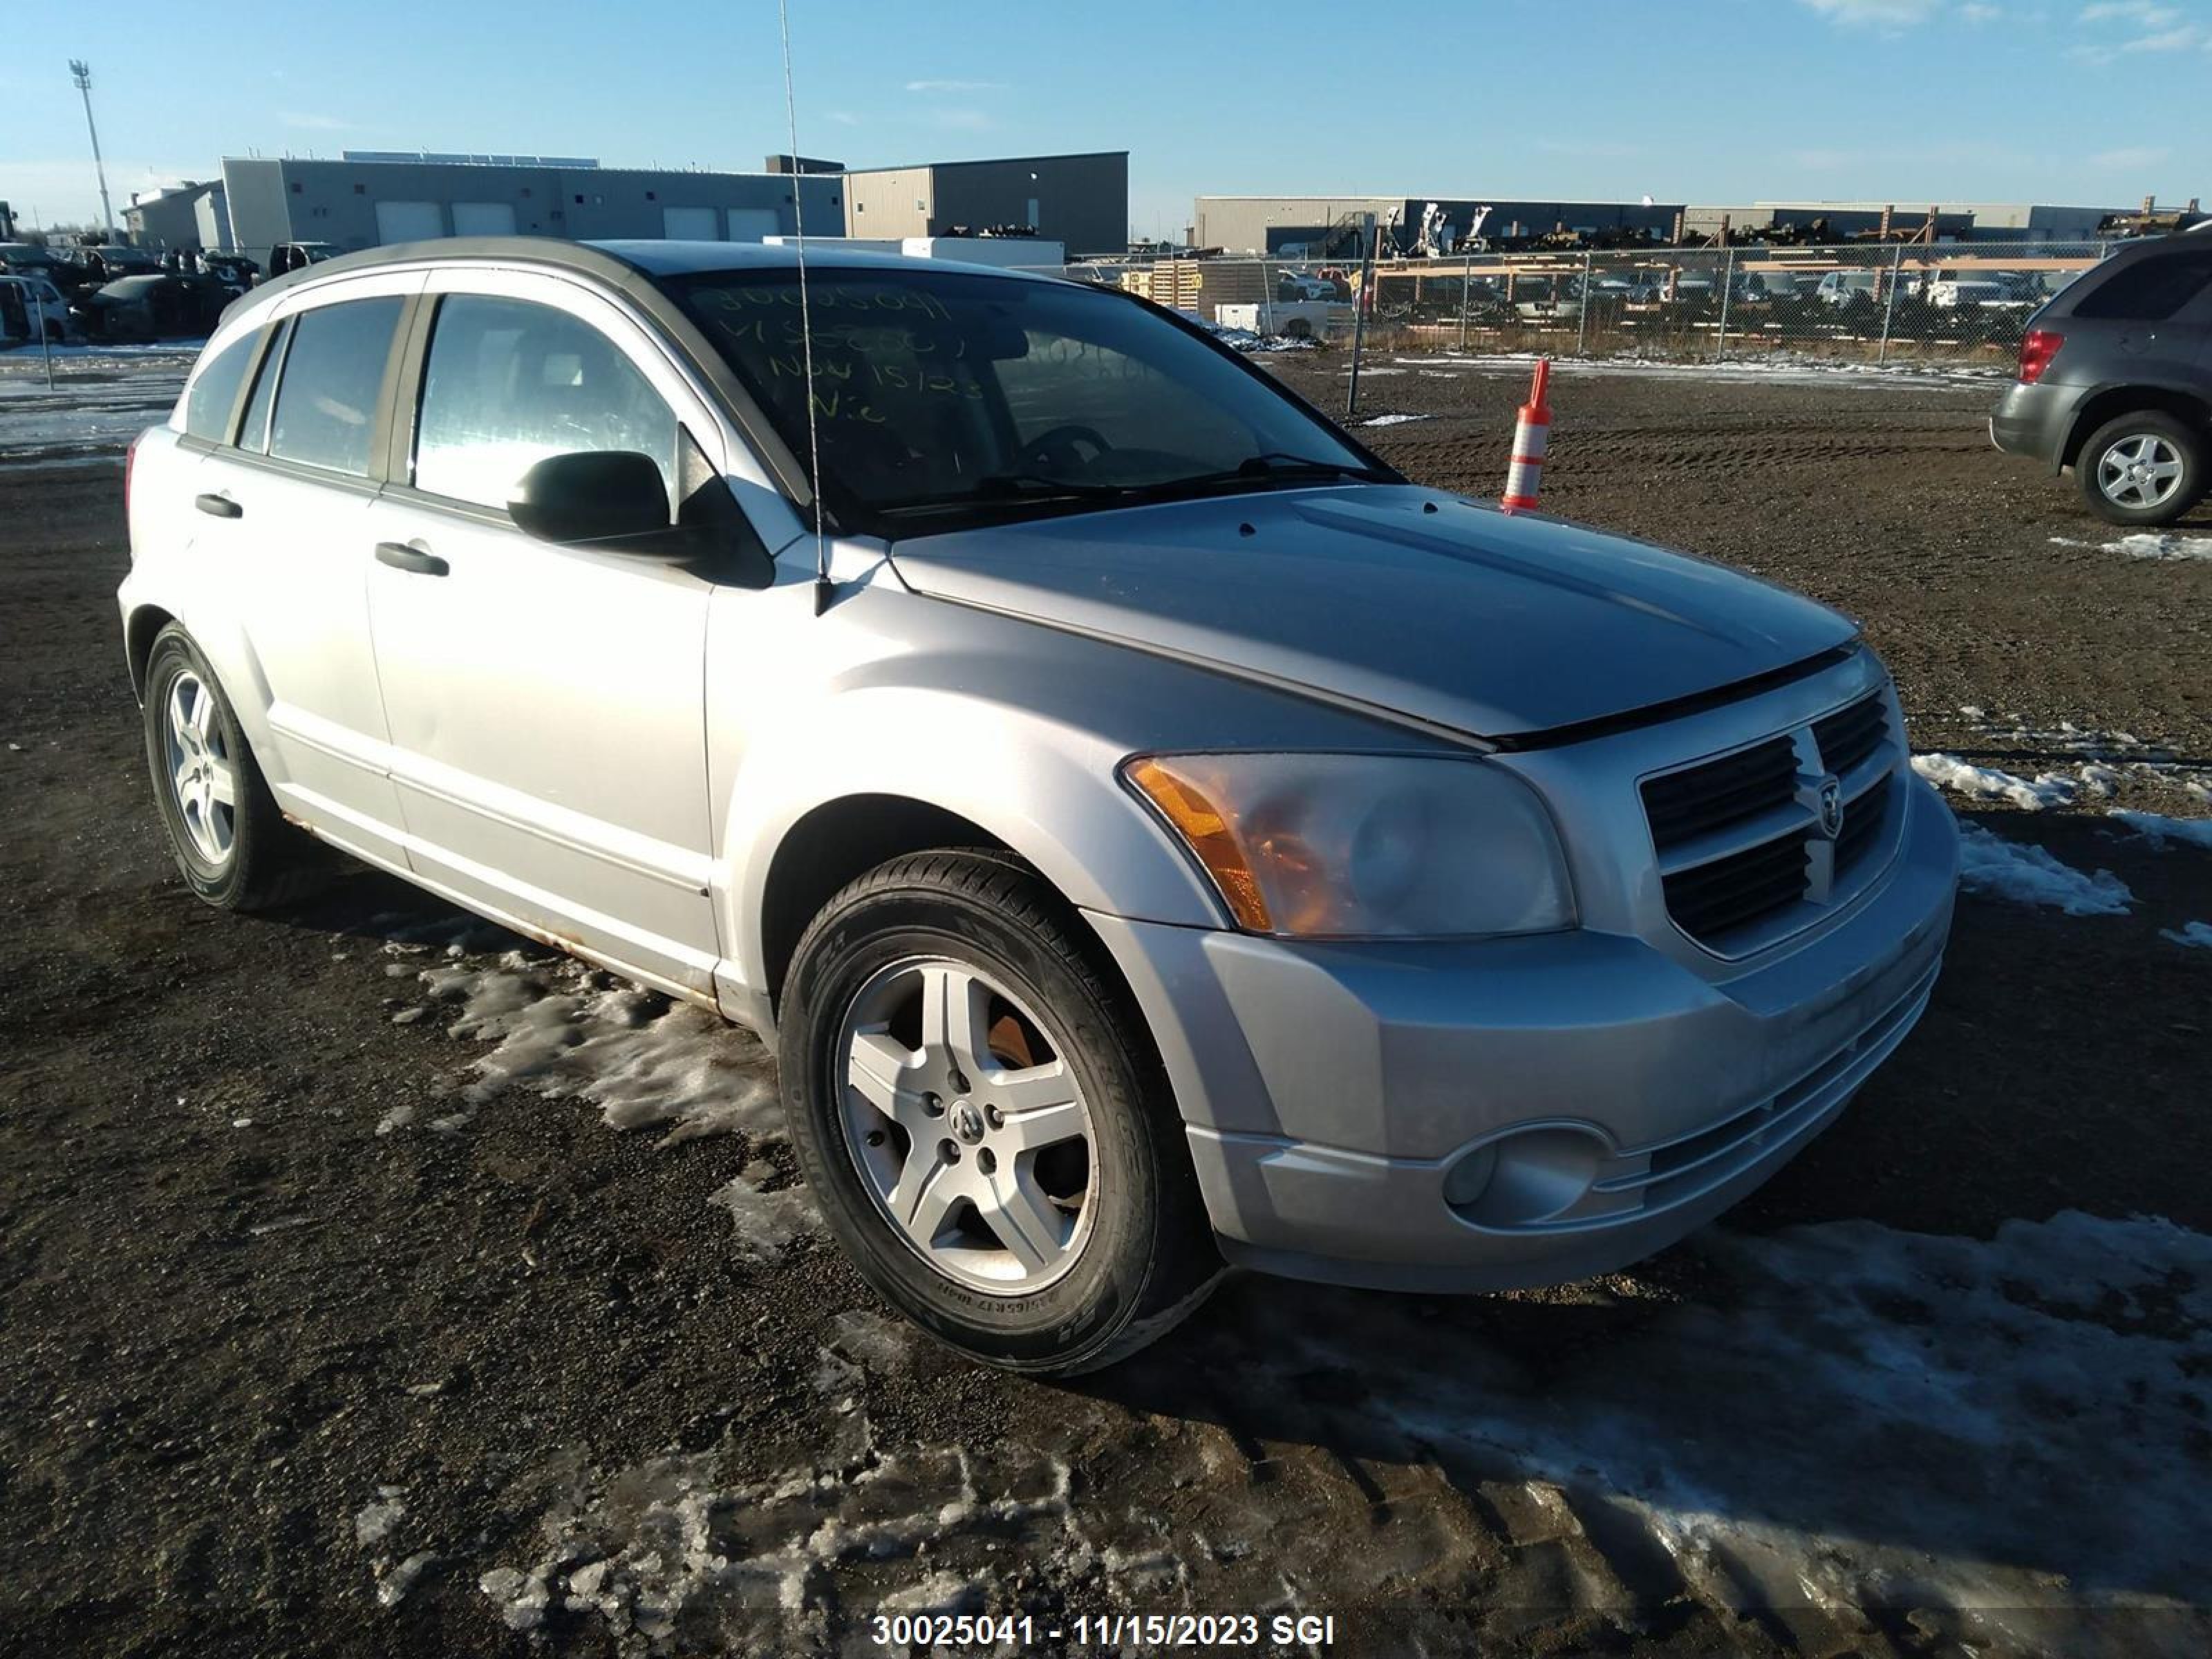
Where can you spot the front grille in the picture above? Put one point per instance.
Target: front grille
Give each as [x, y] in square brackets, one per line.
[1861, 818]
[1683, 805]
[1738, 838]
[1849, 735]
[1711, 899]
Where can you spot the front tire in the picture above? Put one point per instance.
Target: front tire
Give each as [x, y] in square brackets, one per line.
[231, 843]
[2147, 468]
[983, 1118]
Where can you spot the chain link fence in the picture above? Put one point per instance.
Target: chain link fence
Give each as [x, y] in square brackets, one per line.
[1965, 303]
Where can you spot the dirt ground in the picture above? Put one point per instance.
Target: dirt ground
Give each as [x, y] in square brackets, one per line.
[316, 1340]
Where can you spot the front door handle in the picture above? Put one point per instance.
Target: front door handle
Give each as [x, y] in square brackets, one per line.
[402, 556]
[220, 506]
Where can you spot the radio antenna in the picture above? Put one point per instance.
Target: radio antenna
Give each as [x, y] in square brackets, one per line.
[822, 588]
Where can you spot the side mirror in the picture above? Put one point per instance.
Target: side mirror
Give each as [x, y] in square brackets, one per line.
[591, 495]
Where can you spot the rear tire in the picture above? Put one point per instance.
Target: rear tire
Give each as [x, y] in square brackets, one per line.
[231, 843]
[959, 988]
[2143, 469]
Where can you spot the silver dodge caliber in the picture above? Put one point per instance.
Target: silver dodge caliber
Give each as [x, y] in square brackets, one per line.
[1156, 835]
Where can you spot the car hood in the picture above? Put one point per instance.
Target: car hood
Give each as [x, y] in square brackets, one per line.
[1403, 598]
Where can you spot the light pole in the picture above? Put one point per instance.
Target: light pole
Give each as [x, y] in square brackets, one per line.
[81, 71]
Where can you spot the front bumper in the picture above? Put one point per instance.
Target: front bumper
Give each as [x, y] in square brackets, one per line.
[1329, 1089]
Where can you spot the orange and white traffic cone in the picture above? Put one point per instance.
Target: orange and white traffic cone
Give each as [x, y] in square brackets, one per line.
[1530, 434]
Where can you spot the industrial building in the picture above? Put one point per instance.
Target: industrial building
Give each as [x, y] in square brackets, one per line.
[1302, 224]
[1955, 222]
[362, 200]
[1081, 201]
[1306, 226]
[193, 213]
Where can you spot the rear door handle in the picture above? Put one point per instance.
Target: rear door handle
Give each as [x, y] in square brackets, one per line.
[401, 557]
[220, 506]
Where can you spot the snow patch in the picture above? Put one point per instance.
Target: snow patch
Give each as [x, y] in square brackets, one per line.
[2163, 832]
[568, 1028]
[2168, 546]
[1774, 368]
[1987, 783]
[2029, 875]
[1392, 420]
[2197, 934]
[765, 1221]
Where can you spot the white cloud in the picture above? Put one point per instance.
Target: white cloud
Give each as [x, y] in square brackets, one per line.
[2118, 28]
[1976, 12]
[1884, 14]
[2150, 14]
[2129, 156]
[954, 86]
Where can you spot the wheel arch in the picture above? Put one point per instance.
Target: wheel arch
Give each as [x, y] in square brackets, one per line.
[2112, 401]
[835, 843]
[139, 632]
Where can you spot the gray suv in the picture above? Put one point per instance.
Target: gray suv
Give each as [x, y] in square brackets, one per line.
[2115, 382]
[1159, 836]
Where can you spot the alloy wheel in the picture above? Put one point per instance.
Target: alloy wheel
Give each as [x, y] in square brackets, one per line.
[2139, 472]
[967, 1125]
[203, 775]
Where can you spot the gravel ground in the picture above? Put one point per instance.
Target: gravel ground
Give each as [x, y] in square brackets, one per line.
[336, 1322]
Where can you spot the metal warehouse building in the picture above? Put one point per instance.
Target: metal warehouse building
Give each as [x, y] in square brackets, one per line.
[1268, 224]
[188, 215]
[365, 200]
[1081, 201]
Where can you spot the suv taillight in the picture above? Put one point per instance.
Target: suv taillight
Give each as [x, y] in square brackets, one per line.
[2037, 347]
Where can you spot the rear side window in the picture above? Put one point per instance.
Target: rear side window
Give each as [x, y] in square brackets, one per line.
[2150, 290]
[215, 391]
[325, 412]
[510, 382]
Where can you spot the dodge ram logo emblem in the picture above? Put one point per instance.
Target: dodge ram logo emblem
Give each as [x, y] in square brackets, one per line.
[1831, 808]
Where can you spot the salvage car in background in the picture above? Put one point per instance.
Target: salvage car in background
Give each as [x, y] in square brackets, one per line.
[2115, 382]
[1159, 836]
[155, 308]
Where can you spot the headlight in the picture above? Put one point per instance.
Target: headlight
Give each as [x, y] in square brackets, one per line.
[1353, 846]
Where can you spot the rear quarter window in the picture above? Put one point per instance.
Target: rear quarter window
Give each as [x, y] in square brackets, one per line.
[2150, 290]
[214, 390]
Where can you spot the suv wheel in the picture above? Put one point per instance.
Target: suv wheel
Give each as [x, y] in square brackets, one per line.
[983, 1118]
[2147, 468]
[230, 841]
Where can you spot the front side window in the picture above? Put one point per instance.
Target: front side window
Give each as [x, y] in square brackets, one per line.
[2150, 290]
[510, 382]
[942, 399]
[214, 390]
[325, 409]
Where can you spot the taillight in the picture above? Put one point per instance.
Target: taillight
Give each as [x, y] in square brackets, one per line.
[2037, 347]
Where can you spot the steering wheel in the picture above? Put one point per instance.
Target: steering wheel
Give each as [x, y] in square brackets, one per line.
[1060, 446]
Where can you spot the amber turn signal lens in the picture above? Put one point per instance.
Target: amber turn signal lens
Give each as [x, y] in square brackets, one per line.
[1201, 824]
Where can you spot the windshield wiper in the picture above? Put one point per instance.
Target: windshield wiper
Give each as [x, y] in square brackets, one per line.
[1006, 488]
[1276, 466]
[1281, 464]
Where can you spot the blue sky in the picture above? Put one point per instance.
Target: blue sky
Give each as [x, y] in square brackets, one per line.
[1712, 100]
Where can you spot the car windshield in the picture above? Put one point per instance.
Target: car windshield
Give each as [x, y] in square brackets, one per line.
[944, 400]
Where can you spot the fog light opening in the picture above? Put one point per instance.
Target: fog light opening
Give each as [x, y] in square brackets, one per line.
[1525, 1178]
[1465, 1181]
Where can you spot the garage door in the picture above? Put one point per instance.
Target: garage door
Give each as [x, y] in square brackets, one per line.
[484, 218]
[691, 224]
[750, 224]
[409, 221]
